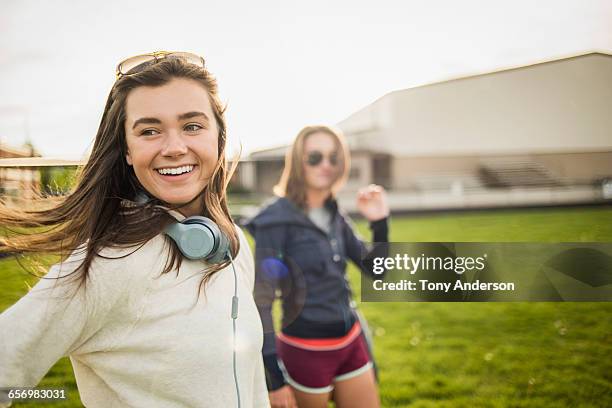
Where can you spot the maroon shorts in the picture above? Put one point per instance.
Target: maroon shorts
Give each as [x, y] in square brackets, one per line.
[313, 365]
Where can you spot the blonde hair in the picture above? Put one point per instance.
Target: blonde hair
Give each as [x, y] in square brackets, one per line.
[292, 183]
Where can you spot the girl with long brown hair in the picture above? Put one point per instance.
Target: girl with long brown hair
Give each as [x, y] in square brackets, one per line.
[303, 243]
[123, 302]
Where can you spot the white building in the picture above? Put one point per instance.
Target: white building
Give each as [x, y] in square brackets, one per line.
[534, 135]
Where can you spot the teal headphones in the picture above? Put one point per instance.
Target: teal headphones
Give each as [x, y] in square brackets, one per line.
[197, 237]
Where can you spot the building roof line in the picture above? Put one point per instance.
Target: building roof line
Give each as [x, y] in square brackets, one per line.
[498, 70]
[22, 151]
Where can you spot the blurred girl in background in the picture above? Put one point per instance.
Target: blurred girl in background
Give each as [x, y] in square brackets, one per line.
[303, 243]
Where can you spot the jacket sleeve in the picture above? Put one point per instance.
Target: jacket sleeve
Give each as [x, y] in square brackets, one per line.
[51, 321]
[358, 251]
[270, 268]
[260, 399]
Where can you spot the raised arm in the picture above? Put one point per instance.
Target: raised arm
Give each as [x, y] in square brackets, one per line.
[358, 250]
[372, 204]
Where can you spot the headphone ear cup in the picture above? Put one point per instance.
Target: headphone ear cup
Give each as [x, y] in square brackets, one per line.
[194, 241]
[200, 238]
[223, 249]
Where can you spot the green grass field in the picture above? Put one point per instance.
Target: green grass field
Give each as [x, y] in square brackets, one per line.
[467, 354]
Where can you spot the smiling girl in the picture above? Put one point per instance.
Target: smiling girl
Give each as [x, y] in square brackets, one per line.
[124, 303]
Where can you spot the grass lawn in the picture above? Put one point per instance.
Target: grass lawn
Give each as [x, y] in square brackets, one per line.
[467, 354]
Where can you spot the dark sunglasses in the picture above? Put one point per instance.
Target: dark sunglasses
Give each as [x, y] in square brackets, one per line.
[315, 158]
[137, 63]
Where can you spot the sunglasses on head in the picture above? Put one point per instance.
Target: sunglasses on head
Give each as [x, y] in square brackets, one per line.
[138, 63]
[315, 158]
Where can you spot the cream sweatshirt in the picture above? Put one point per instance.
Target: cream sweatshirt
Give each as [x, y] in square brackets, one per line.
[136, 337]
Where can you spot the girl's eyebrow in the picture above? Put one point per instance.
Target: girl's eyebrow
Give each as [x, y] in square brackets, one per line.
[182, 116]
[190, 115]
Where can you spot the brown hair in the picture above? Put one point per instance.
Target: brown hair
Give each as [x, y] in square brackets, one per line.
[292, 184]
[93, 216]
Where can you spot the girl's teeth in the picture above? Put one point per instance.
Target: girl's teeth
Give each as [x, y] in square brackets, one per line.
[176, 171]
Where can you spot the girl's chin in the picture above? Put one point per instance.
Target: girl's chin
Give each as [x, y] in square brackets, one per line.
[322, 187]
[179, 201]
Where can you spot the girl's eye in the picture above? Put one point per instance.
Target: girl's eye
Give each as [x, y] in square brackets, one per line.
[148, 132]
[193, 127]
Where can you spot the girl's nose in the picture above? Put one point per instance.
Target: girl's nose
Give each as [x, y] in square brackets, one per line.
[175, 146]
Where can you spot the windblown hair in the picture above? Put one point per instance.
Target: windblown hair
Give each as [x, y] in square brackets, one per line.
[292, 183]
[94, 215]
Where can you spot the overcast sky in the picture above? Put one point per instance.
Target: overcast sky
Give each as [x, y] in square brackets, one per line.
[280, 64]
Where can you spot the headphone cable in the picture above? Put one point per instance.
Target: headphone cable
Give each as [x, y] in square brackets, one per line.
[234, 317]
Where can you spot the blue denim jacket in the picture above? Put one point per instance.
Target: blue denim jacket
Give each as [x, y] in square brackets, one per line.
[308, 267]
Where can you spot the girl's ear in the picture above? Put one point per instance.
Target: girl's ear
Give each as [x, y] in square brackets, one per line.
[128, 158]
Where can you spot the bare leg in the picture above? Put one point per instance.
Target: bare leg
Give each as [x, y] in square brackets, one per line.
[357, 392]
[311, 400]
